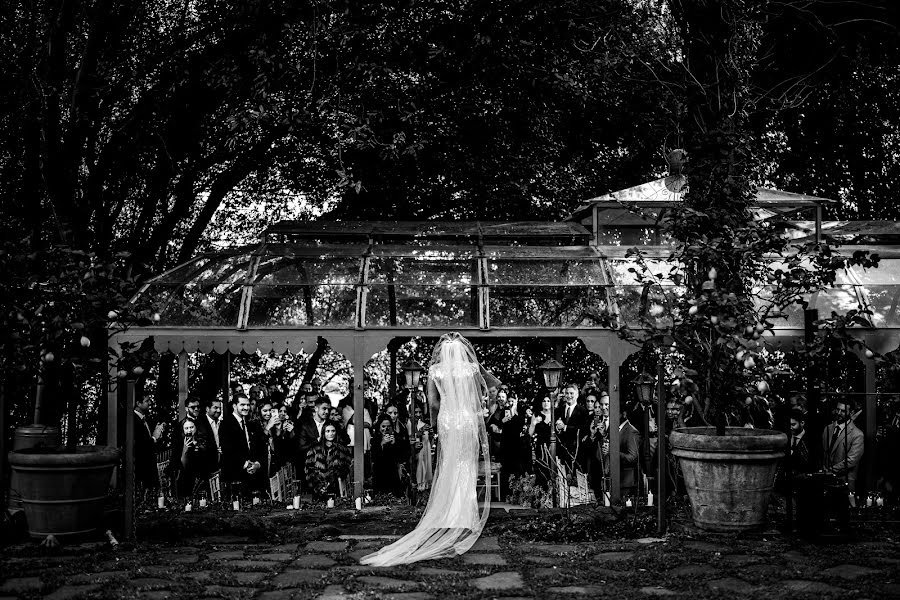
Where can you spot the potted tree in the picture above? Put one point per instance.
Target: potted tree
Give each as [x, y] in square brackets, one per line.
[59, 306]
[711, 305]
[715, 300]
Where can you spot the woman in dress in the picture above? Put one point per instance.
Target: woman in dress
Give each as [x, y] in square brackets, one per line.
[539, 430]
[424, 468]
[327, 463]
[457, 510]
[388, 457]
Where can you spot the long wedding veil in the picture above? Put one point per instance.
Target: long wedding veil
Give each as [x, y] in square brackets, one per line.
[457, 508]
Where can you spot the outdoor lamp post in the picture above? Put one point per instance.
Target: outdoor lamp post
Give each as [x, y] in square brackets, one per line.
[551, 372]
[643, 386]
[412, 372]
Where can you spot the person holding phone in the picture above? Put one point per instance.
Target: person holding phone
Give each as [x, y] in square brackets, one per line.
[389, 454]
[190, 461]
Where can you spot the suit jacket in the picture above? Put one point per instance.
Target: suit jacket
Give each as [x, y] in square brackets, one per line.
[307, 435]
[210, 450]
[145, 472]
[235, 450]
[798, 456]
[629, 454]
[577, 426]
[843, 451]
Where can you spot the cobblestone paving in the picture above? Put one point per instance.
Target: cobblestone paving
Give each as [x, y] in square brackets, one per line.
[234, 568]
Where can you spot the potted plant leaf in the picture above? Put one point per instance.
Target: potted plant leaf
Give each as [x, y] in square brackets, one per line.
[60, 305]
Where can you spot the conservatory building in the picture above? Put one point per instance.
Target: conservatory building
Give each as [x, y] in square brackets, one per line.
[361, 285]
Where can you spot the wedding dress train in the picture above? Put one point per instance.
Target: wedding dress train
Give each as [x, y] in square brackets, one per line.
[456, 511]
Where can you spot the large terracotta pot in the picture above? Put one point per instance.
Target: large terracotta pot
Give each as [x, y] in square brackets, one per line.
[729, 478]
[64, 492]
[30, 436]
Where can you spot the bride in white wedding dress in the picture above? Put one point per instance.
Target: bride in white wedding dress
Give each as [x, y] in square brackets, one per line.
[456, 510]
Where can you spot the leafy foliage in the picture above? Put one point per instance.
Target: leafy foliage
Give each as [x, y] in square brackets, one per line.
[730, 279]
[59, 307]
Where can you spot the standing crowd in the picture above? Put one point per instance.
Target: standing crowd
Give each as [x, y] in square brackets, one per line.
[260, 432]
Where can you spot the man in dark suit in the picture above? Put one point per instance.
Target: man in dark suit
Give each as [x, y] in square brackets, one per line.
[208, 427]
[629, 454]
[146, 476]
[309, 433]
[843, 444]
[243, 448]
[572, 423]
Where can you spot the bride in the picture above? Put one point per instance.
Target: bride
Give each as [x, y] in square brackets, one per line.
[456, 510]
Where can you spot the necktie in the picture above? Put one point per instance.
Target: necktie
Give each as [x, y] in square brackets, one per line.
[834, 439]
[246, 435]
[568, 412]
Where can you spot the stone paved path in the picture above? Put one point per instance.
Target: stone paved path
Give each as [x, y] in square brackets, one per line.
[497, 567]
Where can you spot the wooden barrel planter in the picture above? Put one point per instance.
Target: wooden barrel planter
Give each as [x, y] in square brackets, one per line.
[729, 478]
[64, 492]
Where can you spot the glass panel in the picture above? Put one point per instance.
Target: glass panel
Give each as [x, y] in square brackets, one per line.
[195, 305]
[884, 302]
[229, 268]
[622, 275]
[631, 301]
[428, 268]
[421, 305]
[887, 272]
[528, 252]
[302, 306]
[300, 270]
[634, 236]
[546, 272]
[546, 306]
[839, 299]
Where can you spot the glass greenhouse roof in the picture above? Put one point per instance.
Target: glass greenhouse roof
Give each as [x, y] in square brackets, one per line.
[373, 279]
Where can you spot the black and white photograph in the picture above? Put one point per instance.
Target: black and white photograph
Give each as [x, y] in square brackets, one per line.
[449, 299]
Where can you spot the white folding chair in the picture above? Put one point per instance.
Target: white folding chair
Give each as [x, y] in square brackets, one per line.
[276, 491]
[215, 487]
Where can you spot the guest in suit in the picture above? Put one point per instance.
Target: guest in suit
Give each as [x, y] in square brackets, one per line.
[505, 426]
[843, 445]
[145, 446]
[571, 424]
[308, 433]
[799, 458]
[243, 449]
[629, 455]
[208, 428]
